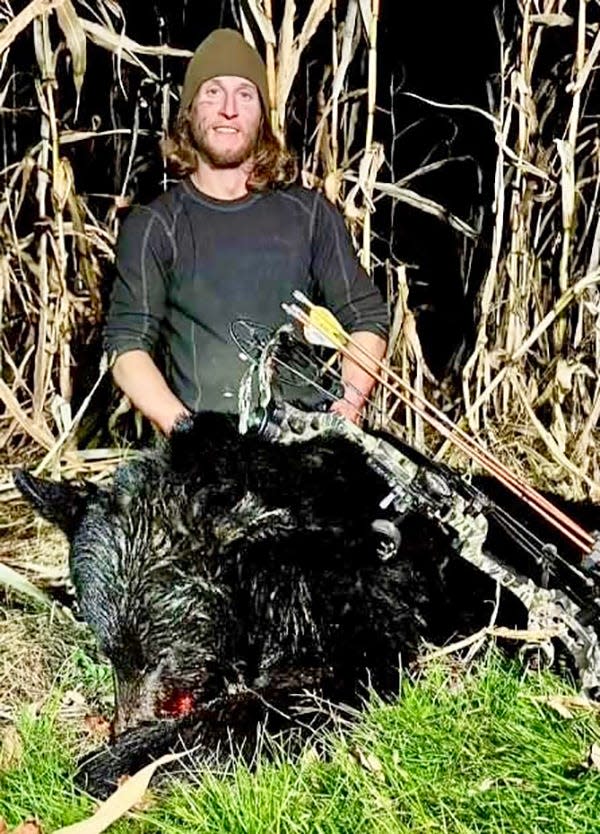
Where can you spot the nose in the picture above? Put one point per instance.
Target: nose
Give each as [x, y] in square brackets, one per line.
[228, 105]
[134, 703]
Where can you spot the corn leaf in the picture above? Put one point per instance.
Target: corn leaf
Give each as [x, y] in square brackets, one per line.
[17, 582]
[23, 20]
[76, 41]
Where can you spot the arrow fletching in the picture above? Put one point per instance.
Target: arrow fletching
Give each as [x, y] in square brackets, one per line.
[320, 325]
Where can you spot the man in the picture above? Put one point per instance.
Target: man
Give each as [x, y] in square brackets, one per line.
[232, 240]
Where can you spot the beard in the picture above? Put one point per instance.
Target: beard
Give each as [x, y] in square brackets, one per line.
[223, 158]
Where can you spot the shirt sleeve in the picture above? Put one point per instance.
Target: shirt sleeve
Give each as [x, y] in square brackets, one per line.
[144, 255]
[344, 285]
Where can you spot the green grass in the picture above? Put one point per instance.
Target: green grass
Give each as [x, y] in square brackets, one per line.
[40, 786]
[478, 752]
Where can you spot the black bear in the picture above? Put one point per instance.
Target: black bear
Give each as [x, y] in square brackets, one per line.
[224, 575]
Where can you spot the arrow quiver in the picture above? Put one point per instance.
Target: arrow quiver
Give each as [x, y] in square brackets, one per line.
[570, 614]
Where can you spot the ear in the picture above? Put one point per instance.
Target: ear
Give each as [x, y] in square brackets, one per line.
[61, 503]
[252, 521]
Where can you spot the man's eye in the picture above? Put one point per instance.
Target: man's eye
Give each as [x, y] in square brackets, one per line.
[212, 91]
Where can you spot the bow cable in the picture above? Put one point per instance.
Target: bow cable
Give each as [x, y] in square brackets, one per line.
[325, 323]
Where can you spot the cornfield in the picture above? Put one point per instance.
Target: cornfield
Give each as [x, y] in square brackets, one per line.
[84, 104]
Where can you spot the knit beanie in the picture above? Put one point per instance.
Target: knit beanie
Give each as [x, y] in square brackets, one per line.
[224, 52]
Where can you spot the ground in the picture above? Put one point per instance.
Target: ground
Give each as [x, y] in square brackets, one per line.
[467, 748]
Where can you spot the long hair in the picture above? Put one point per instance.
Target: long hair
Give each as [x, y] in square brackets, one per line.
[274, 166]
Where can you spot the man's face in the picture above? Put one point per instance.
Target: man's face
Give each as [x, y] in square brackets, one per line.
[225, 119]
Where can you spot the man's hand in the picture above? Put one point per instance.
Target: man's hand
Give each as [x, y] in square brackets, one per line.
[357, 379]
[138, 377]
[352, 411]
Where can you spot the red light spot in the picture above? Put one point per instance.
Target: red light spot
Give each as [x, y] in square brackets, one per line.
[178, 704]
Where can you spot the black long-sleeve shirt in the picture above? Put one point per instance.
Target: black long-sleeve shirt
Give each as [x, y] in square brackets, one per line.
[188, 265]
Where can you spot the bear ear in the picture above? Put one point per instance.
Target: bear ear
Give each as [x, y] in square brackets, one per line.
[61, 503]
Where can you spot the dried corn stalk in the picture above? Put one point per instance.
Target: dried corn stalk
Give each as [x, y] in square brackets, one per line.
[532, 378]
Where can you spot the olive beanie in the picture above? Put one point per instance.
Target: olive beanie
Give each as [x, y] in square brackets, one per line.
[224, 52]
